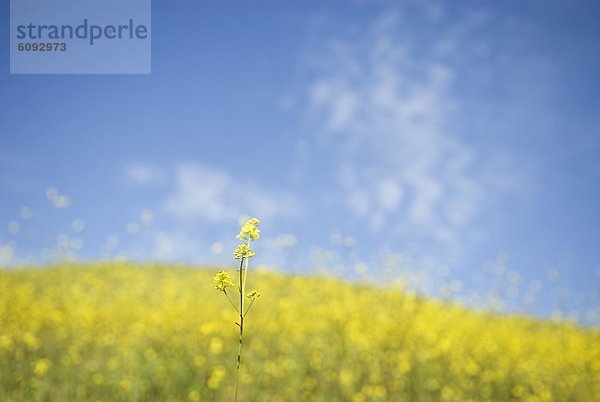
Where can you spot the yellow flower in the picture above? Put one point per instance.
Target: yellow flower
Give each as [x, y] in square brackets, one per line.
[243, 251]
[249, 230]
[41, 366]
[253, 295]
[222, 280]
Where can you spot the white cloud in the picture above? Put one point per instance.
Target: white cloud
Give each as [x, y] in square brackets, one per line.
[359, 202]
[144, 174]
[389, 194]
[176, 245]
[197, 202]
[213, 195]
[386, 104]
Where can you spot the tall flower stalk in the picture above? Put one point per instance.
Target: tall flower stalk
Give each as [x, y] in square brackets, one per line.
[243, 252]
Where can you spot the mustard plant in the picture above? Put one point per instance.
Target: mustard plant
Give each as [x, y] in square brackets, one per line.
[243, 253]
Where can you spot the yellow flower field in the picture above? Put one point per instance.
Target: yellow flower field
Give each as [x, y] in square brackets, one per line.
[119, 332]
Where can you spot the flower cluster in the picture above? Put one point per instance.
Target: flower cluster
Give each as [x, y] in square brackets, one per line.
[243, 251]
[250, 230]
[253, 295]
[222, 281]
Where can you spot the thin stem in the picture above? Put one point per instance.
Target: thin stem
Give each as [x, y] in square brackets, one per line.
[250, 305]
[241, 325]
[239, 357]
[231, 302]
[246, 270]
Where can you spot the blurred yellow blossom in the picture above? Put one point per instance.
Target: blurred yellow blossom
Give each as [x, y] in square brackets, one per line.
[222, 280]
[41, 366]
[253, 295]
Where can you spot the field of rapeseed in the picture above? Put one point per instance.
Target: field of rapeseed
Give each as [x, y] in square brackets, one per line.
[118, 332]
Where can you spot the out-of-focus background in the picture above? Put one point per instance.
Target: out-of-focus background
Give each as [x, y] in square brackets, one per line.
[454, 147]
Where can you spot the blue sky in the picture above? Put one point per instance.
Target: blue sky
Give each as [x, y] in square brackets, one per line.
[455, 147]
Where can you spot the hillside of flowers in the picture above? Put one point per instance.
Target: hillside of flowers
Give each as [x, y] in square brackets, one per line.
[119, 332]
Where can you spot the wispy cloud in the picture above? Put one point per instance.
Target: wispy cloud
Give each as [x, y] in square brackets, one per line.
[214, 195]
[386, 104]
[194, 205]
[144, 174]
[176, 245]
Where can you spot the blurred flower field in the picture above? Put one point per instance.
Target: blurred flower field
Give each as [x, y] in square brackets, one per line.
[118, 332]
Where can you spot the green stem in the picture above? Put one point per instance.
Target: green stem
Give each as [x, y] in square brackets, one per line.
[250, 305]
[246, 270]
[241, 325]
[234, 306]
